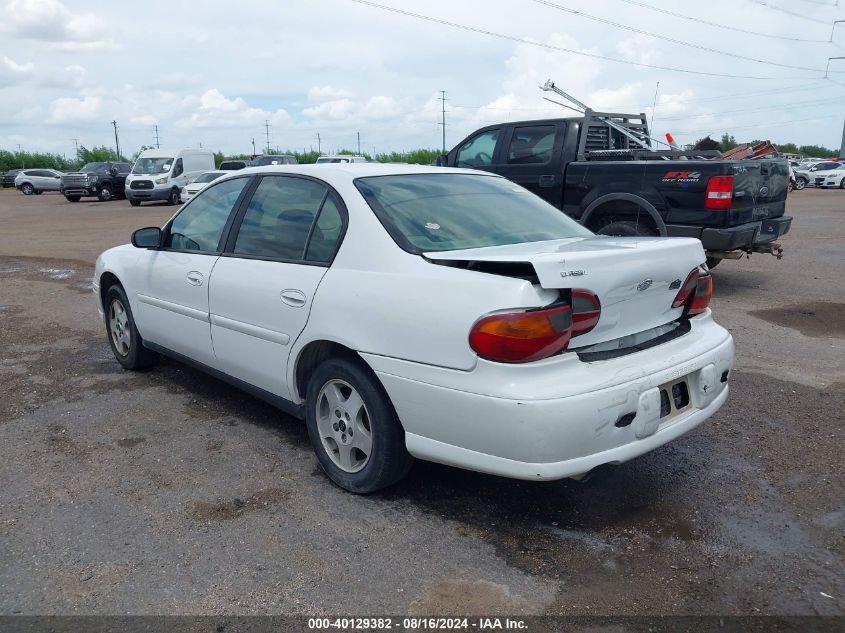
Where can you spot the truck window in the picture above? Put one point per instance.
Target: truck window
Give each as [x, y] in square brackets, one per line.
[531, 145]
[478, 150]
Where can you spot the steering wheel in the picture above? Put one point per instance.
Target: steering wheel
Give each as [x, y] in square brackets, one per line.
[484, 157]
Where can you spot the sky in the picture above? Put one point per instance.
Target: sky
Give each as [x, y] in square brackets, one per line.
[212, 73]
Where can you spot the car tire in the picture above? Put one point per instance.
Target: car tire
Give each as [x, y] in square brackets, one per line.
[626, 229]
[135, 203]
[73, 198]
[347, 414]
[104, 194]
[174, 197]
[842, 184]
[27, 189]
[125, 341]
[800, 183]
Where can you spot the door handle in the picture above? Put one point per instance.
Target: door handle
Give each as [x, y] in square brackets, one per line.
[195, 278]
[547, 181]
[293, 297]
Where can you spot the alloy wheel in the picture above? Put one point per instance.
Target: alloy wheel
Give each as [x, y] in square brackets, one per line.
[119, 327]
[343, 423]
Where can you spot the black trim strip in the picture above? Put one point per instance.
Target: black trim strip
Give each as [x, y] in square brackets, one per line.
[683, 328]
[289, 407]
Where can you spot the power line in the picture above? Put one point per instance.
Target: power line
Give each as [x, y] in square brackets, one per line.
[551, 47]
[770, 107]
[788, 12]
[747, 127]
[719, 26]
[666, 38]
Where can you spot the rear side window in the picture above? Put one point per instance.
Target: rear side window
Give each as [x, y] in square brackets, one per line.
[199, 225]
[279, 217]
[443, 212]
[531, 145]
[478, 151]
[327, 232]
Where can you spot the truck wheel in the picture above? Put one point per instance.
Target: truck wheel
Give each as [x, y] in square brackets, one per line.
[104, 195]
[27, 189]
[800, 183]
[135, 203]
[174, 197]
[712, 262]
[72, 198]
[626, 229]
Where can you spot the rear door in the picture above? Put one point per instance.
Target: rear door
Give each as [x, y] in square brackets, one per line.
[529, 158]
[262, 287]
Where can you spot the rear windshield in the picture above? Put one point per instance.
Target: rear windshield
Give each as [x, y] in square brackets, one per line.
[444, 212]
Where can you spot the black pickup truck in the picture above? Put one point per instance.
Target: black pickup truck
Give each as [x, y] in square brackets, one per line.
[595, 172]
[104, 180]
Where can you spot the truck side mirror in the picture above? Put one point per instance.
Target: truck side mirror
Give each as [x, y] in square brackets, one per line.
[148, 237]
[113, 171]
[442, 160]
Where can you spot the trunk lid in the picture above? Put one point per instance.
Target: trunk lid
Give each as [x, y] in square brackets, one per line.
[635, 278]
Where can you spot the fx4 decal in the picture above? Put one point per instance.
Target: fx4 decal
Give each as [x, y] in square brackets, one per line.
[682, 176]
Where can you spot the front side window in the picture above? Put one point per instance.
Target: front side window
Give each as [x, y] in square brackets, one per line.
[443, 212]
[199, 225]
[531, 145]
[279, 217]
[478, 151]
[178, 169]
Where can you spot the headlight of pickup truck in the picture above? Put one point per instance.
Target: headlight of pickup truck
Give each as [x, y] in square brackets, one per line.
[92, 178]
[161, 181]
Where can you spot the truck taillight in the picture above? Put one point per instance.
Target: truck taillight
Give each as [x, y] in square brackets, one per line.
[521, 337]
[696, 292]
[586, 310]
[720, 192]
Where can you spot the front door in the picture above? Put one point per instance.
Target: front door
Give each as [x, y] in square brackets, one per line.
[173, 295]
[528, 160]
[262, 287]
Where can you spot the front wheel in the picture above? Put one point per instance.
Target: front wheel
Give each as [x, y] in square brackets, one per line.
[135, 203]
[174, 197]
[27, 189]
[104, 194]
[800, 183]
[353, 427]
[73, 198]
[125, 341]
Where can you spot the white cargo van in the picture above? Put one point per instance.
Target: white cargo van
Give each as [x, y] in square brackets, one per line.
[160, 174]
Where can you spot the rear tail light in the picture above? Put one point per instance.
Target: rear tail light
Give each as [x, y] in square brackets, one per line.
[720, 191]
[586, 310]
[521, 337]
[695, 293]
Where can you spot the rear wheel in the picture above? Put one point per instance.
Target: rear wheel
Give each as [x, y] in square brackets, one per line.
[73, 198]
[104, 194]
[125, 341]
[135, 203]
[800, 183]
[27, 189]
[174, 197]
[353, 427]
[626, 229]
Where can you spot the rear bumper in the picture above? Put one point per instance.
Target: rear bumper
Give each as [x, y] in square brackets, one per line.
[744, 236]
[558, 417]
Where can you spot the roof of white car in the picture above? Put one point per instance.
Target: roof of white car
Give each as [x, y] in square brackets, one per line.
[348, 171]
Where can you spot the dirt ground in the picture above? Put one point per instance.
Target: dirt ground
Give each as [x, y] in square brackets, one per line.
[170, 492]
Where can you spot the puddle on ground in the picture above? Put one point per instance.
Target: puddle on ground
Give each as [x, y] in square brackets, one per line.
[57, 273]
[816, 319]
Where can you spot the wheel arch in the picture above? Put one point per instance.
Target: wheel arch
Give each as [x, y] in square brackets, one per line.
[107, 280]
[311, 355]
[594, 209]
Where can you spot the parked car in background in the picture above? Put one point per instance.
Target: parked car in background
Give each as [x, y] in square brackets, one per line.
[233, 164]
[273, 159]
[831, 178]
[104, 180]
[36, 181]
[160, 174]
[9, 178]
[323, 289]
[806, 175]
[189, 190]
[341, 158]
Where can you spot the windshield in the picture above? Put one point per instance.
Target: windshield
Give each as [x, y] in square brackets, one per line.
[208, 176]
[93, 167]
[444, 212]
[152, 165]
[332, 160]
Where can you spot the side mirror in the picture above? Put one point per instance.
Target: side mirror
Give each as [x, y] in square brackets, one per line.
[149, 237]
[113, 171]
[442, 160]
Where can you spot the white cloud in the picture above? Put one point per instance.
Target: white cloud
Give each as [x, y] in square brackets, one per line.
[337, 110]
[15, 67]
[327, 93]
[51, 21]
[70, 109]
[213, 108]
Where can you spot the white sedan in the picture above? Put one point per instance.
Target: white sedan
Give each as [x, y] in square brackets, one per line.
[831, 178]
[408, 311]
[198, 183]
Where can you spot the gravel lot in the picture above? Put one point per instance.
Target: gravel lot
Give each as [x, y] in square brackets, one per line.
[170, 492]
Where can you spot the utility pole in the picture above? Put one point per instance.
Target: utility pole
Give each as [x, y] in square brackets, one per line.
[653, 109]
[319, 146]
[253, 147]
[21, 155]
[156, 128]
[359, 143]
[76, 148]
[443, 117]
[267, 133]
[116, 141]
[842, 147]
